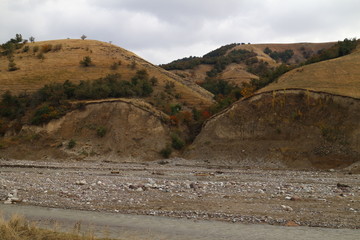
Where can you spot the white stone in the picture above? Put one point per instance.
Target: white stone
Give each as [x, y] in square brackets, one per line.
[287, 208]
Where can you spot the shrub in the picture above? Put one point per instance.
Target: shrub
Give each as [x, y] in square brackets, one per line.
[176, 142]
[86, 62]
[132, 65]
[267, 50]
[114, 66]
[12, 65]
[46, 48]
[71, 144]
[154, 81]
[166, 152]
[57, 47]
[169, 87]
[35, 49]
[40, 56]
[46, 113]
[101, 131]
[26, 49]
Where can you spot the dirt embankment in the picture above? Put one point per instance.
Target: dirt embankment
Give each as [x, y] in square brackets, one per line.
[297, 129]
[117, 129]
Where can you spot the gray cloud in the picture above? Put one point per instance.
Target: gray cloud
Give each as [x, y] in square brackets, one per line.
[163, 30]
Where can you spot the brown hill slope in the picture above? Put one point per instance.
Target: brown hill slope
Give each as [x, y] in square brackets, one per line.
[308, 118]
[237, 73]
[61, 63]
[112, 130]
[298, 129]
[337, 76]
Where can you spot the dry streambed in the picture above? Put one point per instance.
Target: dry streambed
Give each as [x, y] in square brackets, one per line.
[187, 189]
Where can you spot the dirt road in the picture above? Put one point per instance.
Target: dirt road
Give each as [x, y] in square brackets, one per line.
[187, 189]
[157, 228]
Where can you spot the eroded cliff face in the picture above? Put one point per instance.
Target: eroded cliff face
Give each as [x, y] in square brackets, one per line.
[298, 129]
[112, 130]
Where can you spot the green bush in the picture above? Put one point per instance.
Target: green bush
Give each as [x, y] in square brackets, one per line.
[341, 48]
[166, 152]
[86, 62]
[26, 49]
[176, 142]
[12, 65]
[71, 144]
[114, 66]
[101, 131]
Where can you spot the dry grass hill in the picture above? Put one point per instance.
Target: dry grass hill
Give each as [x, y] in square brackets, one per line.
[340, 76]
[112, 129]
[58, 61]
[309, 118]
[237, 73]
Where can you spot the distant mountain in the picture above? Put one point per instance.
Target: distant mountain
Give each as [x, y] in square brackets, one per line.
[237, 63]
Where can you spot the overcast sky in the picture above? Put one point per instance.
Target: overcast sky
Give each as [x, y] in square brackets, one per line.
[164, 30]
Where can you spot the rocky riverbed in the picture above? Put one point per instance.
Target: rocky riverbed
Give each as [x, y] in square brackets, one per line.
[188, 189]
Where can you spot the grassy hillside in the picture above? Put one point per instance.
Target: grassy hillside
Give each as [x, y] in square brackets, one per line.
[339, 76]
[44, 81]
[47, 62]
[235, 60]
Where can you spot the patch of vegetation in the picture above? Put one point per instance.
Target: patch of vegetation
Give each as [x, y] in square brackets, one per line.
[71, 144]
[341, 48]
[57, 47]
[13, 44]
[52, 100]
[176, 142]
[218, 58]
[332, 133]
[166, 152]
[17, 228]
[35, 49]
[45, 113]
[101, 131]
[12, 65]
[284, 56]
[46, 48]
[115, 65]
[26, 49]
[86, 62]
[40, 56]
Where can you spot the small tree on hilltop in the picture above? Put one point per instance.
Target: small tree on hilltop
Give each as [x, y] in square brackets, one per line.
[83, 37]
[32, 39]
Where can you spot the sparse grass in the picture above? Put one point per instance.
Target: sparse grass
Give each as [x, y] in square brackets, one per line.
[71, 144]
[166, 152]
[336, 76]
[63, 65]
[101, 131]
[18, 228]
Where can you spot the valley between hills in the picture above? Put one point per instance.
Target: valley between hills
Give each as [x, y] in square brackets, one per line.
[254, 133]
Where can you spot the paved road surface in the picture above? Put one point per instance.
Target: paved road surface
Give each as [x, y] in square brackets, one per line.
[136, 227]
